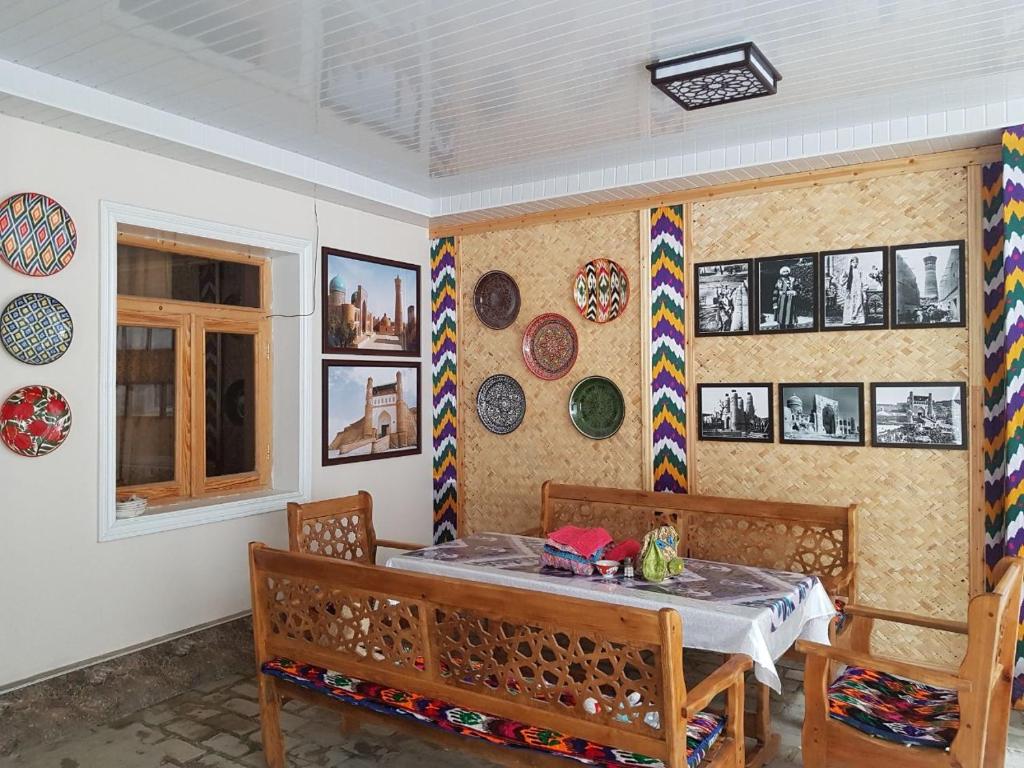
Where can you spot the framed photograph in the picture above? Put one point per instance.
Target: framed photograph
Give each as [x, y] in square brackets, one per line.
[853, 289]
[787, 295]
[821, 414]
[928, 285]
[920, 415]
[370, 306]
[736, 412]
[370, 411]
[723, 298]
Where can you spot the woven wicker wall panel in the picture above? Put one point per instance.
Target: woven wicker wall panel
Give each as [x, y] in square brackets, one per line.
[914, 503]
[502, 474]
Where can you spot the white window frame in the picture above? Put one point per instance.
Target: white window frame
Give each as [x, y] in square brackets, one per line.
[197, 511]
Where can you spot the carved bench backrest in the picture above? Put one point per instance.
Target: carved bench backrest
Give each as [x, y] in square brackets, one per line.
[513, 653]
[805, 538]
[340, 528]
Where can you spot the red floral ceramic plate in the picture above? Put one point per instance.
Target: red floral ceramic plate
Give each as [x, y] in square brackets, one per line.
[550, 346]
[35, 420]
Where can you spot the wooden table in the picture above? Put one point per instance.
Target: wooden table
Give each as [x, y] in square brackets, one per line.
[726, 608]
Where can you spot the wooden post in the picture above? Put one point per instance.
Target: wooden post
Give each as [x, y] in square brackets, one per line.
[646, 374]
[814, 746]
[270, 700]
[974, 261]
[673, 686]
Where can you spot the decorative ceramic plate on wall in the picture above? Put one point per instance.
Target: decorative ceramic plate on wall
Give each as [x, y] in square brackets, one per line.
[550, 346]
[596, 407]
[496, 299]
[601, 290]
[501, 404]
[34, 420]
[36, 328]
[37, 236]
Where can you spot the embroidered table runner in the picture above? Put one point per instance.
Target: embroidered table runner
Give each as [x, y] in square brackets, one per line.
[725, 608]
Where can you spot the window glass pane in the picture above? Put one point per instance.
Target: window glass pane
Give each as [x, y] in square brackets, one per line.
[146, 366]
[161, 275]
[230, 403]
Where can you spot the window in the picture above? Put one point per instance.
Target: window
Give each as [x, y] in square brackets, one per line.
[193, 405]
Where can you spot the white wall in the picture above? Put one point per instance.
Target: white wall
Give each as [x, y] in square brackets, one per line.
[63, 596]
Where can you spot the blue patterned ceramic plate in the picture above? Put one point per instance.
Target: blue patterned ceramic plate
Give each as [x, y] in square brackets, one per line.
[501, 404]
[36, 328]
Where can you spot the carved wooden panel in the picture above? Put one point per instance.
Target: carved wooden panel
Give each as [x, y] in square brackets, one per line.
[578, 673]
[343, 536]
[371, 627]
[622, 521]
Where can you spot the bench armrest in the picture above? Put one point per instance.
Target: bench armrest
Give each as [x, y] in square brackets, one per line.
[898, 617]
[389, 544]
[724, 677]
[942, 677]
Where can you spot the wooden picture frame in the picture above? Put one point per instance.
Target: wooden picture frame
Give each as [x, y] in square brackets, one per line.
[813, 426]
[901, 273]
[349, 287]
[957, 422]
[701, 294]
[869, 301]
[765, 304]
[721, 433]
[345, 434]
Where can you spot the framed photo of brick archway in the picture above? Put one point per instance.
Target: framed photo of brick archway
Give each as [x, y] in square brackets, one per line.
[371, 411]
[917, 414]
[370, 306]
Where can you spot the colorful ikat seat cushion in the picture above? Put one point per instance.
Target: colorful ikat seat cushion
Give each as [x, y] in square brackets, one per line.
[895, 708]
[702, 731]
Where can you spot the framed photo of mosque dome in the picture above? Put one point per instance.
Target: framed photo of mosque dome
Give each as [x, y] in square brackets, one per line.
[928, 285]
[371, 411]
[821, 414]
[371, 306]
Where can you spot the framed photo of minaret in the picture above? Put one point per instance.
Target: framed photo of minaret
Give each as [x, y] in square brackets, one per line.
[371, 306]
[928, 285]
[371, 411]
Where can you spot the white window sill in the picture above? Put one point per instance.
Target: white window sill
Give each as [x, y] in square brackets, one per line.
[185, 514]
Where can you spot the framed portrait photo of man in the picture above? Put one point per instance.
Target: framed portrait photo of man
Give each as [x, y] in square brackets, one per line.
[736, 412]
[919, 415]
[821, 414]
[724, 304]
[787, 293]
[853, 285]
[928, 285]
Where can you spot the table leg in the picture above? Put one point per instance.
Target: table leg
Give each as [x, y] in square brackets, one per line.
[758, 726]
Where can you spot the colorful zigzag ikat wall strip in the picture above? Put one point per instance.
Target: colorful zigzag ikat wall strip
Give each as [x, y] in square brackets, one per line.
[668, 341]
[443, 360]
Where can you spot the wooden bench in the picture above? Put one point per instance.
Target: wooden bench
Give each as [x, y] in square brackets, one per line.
[341, 528]
[806, 538]
[601, 673]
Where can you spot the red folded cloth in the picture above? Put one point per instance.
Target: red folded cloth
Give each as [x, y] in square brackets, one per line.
[622, 550]
[583, 541]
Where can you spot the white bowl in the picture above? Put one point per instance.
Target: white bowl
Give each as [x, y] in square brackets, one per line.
[132, 507]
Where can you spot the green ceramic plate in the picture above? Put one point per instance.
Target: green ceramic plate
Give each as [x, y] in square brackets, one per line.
[596, 407]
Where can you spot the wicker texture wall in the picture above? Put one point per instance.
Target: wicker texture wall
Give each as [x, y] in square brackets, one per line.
[914, 503]
[502, 474]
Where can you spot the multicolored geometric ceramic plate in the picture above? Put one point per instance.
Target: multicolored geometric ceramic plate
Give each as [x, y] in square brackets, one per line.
[37, 236]
[36, 328]
[496, 299]
[35, 420]
[500, 404]
[596, 407]
[550, 346]
[601, 290]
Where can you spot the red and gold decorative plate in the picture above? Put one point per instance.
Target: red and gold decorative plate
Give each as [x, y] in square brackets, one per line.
[34, 420]
[550, 346]
[37, 236]
[601, 290]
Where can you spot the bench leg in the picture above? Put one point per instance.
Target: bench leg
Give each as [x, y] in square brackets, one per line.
[270, 723]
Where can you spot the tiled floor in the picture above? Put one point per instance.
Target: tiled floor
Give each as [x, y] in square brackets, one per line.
[216, 726]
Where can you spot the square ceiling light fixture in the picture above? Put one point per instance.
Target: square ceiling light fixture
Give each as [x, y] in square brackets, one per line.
[724, 75]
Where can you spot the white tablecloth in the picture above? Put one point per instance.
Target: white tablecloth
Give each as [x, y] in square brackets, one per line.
[725, 608]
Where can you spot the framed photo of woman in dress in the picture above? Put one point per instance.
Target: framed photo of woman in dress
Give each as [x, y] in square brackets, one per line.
[853, 286]
[787, 295]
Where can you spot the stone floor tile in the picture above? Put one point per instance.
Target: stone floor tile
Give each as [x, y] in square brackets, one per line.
[232, 723]
[245, 707]
[247, 690]
[179, 750]
[228, 744]
[190, 729]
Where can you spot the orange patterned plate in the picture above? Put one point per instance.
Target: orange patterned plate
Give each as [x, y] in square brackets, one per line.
[550, 346]
[37, 236]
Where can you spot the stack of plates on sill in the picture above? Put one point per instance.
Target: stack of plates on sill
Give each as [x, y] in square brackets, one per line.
[133, 506]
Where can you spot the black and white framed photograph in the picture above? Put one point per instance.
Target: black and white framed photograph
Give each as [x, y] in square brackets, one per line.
[737, 412]
[928, 285]
[853, 289]
[724, 302]
[787, 293]
[821, 414]
[920, 415]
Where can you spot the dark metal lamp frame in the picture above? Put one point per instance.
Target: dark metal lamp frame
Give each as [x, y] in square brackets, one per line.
[749, 50]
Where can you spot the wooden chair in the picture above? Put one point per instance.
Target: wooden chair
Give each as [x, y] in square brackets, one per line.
[339, 528]
[866, 717]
